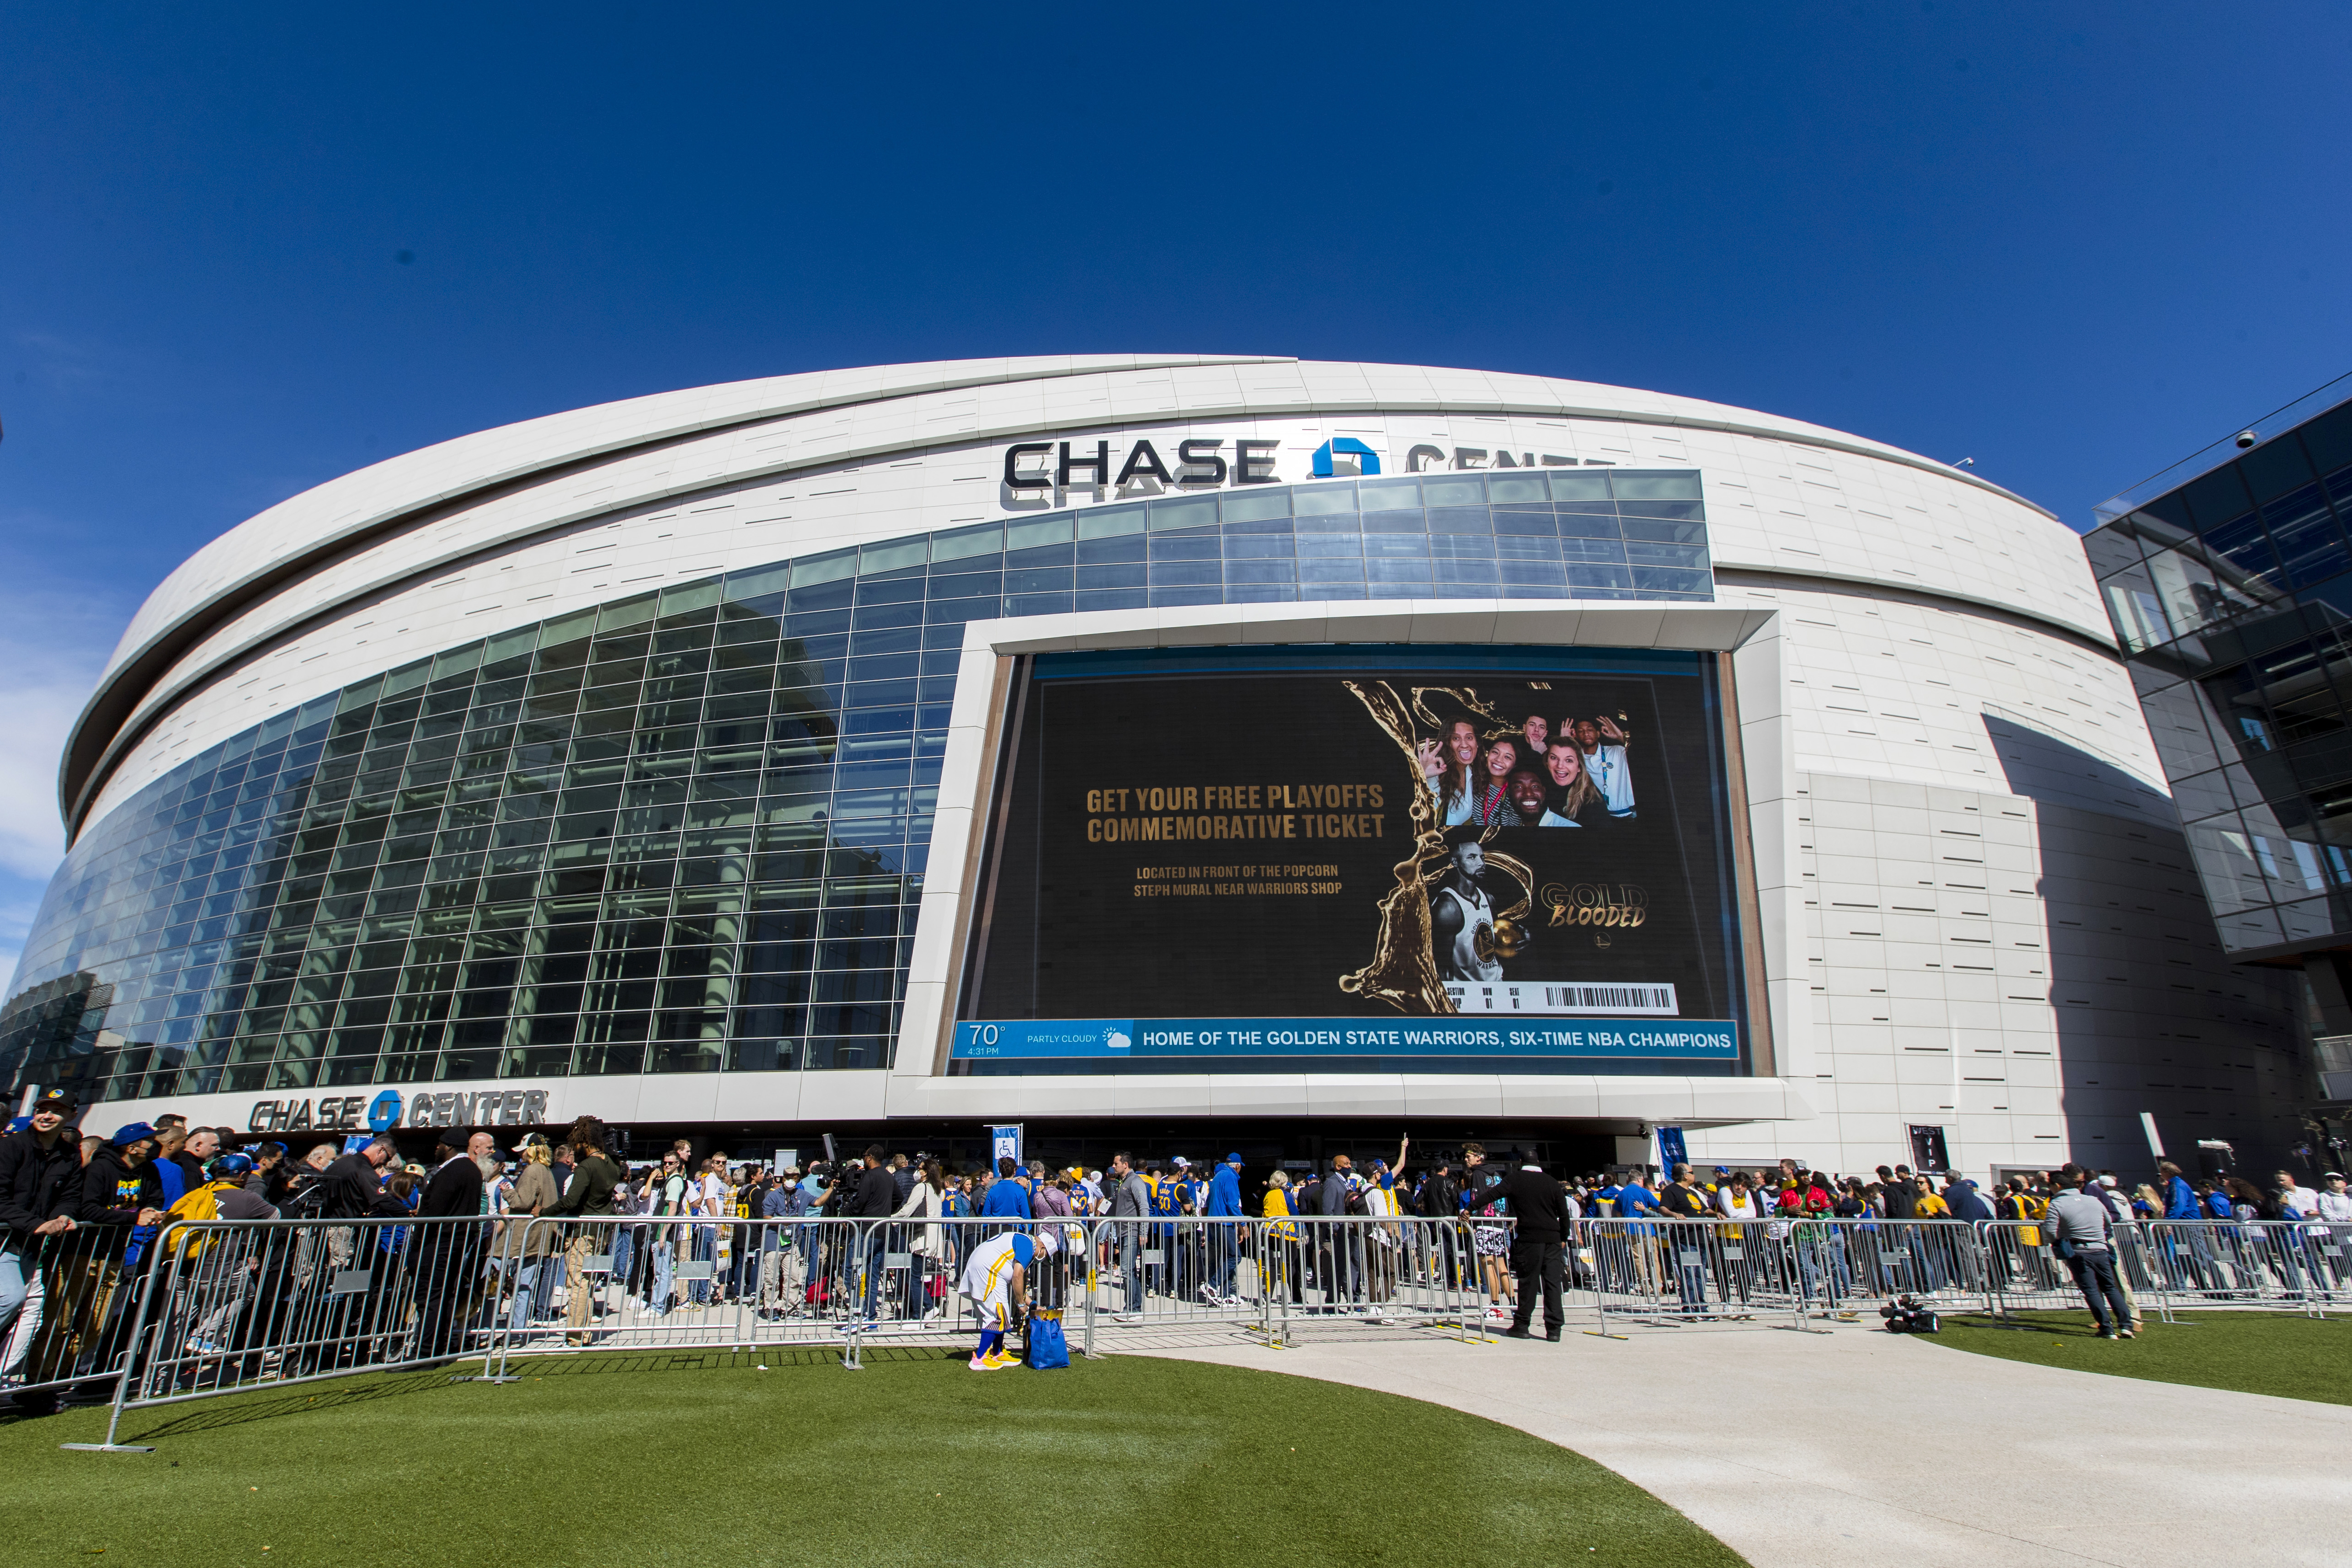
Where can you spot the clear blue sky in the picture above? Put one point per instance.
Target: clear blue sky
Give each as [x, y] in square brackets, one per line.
[249, 249]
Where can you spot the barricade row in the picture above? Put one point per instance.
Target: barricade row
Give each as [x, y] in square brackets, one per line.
[217, 1306]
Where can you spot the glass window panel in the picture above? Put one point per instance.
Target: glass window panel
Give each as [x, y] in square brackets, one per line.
[1253, 505]
[758, 583]
[1257, 546]
[1521, 487]
[1578, 487]
[2303, 532]
[1109, 522]
[895, 556]
[1198, 511]
[1664, 580]
[962, 543]
[1338, 500]
[1653, 486]
[1465, 490]
[832, 566]
[1459, 519]
[1389, 495]
[1058, 529]
[1097, 577]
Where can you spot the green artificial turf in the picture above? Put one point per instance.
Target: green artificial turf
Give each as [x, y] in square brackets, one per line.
[638, 1460]
[2253, 1352]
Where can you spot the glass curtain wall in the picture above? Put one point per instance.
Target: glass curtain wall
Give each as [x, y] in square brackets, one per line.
[2232, 597]
[685, 831]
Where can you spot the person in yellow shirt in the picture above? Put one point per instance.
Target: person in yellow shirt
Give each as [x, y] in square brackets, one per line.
[1930, 1205]
[1282, 1262]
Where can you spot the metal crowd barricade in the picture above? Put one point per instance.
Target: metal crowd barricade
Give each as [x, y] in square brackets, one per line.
[82, 1291]
[235, 1304]
[1845, 1264]
[1164, 1272]
[1680, 1272]
[1404, 1271]
[2296, 1266]
[635, 1282]
[2024, 1273]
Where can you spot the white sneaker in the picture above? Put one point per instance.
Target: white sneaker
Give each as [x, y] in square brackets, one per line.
[1208, 1294]
[1126, 1317]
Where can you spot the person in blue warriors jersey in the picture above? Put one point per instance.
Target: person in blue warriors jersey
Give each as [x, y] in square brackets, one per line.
[996, 1282]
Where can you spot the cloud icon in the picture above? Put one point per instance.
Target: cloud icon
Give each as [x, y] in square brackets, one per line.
[1116, 1040]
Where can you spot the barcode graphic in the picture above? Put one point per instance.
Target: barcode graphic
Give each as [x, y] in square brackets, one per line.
[1505, 997]
[1611, 998]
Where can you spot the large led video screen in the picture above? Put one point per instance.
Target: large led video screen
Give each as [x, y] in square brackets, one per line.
[1431, 860]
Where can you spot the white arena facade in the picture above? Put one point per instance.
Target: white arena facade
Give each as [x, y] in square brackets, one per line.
[902, 752]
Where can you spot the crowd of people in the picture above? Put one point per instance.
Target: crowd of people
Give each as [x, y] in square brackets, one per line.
[577, 1240]
[1531, 777]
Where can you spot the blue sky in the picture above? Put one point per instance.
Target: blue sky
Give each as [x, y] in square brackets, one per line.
[249, 249]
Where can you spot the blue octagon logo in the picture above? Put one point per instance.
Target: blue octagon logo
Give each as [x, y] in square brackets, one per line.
[1368, 462]
[383, 1112]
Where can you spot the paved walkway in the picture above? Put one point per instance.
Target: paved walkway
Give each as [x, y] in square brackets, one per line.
[1861, 1448]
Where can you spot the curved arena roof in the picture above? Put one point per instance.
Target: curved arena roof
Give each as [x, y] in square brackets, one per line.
[754, 428]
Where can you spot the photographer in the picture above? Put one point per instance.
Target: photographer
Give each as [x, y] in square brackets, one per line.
[2082, 1230]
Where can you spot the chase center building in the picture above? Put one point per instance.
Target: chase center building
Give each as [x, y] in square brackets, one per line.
[1151, 749]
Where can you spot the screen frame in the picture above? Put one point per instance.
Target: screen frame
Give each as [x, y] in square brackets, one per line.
[983, 728]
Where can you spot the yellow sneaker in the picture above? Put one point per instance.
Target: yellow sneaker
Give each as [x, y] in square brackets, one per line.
[1000, 1361]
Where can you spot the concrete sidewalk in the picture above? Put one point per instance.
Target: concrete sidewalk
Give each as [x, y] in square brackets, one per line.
[1861, 1448]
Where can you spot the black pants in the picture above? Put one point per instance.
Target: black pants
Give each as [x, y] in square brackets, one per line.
[2095, 1276]
[1538, 1265]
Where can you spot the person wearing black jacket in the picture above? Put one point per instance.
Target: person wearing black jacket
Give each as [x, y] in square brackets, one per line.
[40, 1192]
[349, 1185]
[449, 1254]
[1539, 1249]
[121, 1198]
[1441, 1197]
[876, 1199]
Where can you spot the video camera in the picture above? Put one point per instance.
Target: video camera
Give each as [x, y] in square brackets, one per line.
[1905, 1316]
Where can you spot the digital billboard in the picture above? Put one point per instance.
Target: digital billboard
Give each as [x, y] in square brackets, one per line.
[1460, 859]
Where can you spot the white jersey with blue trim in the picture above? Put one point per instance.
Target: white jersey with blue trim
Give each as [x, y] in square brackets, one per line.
[988, 1274]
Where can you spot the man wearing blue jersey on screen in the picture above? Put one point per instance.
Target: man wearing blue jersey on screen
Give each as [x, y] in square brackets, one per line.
[996, 1282]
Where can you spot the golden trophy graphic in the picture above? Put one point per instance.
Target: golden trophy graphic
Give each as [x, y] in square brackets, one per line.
[1403, 970]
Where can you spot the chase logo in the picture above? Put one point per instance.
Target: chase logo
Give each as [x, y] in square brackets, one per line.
[383, 1112]
[1344, 455]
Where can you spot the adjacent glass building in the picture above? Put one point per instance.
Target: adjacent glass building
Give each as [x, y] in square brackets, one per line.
[2232, 597]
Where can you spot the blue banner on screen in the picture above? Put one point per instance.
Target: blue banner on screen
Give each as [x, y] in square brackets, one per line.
[1111, 1040]
[1672, 1149]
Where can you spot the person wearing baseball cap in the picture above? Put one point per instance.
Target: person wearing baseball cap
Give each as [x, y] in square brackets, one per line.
[996, 1282]
[1225, 1203]
[40, 1190]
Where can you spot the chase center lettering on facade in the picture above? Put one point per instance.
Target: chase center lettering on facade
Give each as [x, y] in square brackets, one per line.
[351, 1112]
[1201, 462]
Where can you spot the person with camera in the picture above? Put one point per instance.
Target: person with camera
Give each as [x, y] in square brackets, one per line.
[2082, 1233]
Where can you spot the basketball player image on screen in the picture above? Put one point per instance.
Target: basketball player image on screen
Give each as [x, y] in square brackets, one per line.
[1459, 911]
